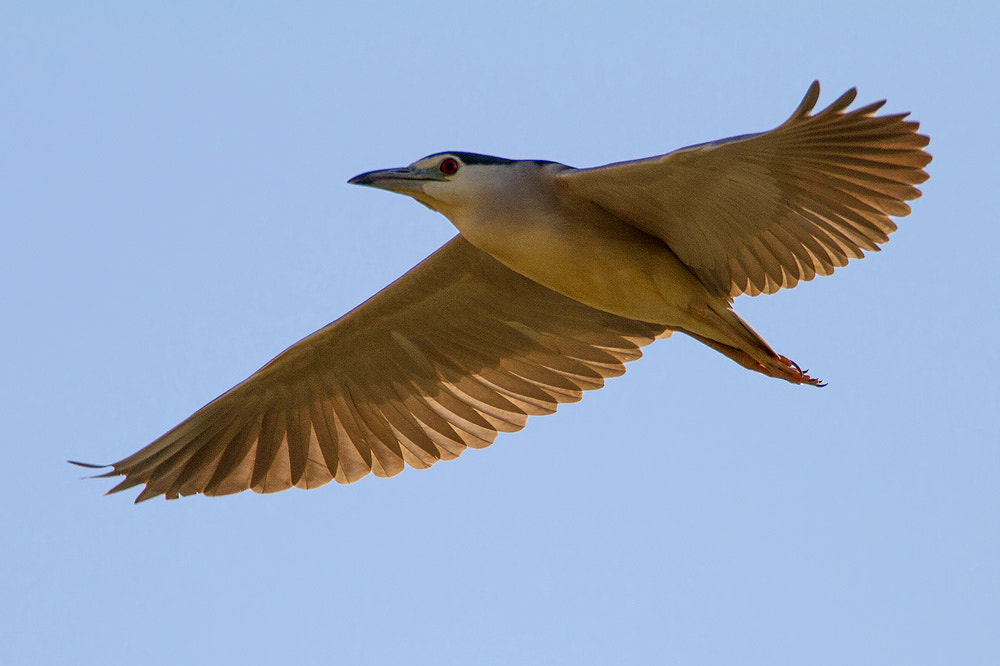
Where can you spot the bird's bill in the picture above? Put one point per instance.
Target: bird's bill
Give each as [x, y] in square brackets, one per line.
[407, 180]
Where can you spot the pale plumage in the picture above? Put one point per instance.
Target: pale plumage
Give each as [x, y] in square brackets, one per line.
[469, 343]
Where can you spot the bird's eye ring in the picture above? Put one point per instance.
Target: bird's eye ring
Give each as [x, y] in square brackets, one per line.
[449, 166]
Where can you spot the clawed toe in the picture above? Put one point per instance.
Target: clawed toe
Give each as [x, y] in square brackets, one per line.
[797, 375]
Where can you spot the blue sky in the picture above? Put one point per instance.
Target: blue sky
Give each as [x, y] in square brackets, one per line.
[175, 212]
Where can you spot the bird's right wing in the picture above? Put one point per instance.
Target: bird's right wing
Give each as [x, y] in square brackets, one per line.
[757, 213]
[459, 348]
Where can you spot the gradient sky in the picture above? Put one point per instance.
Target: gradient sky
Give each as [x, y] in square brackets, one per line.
[175, 212]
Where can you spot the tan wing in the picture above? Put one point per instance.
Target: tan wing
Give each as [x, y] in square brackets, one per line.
[454, 351]
[758, 213]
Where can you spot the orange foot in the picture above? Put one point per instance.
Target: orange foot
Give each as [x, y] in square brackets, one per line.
[790, 371]
[798, 375]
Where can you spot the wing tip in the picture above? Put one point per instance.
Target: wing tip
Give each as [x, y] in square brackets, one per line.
[811, 98]
[88, 465]
[111, 472]
[808, 102]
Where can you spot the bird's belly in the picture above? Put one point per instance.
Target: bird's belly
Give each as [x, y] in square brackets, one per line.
[608, 265]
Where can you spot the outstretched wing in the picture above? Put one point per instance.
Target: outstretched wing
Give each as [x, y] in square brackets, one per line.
[758, 213]
[442, 359]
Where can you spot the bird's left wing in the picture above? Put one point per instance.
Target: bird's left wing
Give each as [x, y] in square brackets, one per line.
[757, 213]
[459, 348]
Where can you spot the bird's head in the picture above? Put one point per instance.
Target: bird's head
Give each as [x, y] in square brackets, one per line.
[453, 182]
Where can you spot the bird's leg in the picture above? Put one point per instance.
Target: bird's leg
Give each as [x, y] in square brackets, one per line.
[781, 367]
[722, 329]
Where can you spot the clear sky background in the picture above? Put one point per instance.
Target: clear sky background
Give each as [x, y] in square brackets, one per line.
[174, 212]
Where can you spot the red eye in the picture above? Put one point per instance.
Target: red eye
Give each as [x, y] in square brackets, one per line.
[449, 166]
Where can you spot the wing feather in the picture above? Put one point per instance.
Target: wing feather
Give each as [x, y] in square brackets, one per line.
[454, 352]
[761, 212]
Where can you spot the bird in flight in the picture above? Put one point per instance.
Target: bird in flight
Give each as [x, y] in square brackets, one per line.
[557, 277]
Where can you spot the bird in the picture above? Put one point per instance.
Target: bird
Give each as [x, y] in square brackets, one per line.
[557, 277]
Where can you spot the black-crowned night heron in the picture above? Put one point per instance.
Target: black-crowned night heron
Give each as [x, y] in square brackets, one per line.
[557, 278]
